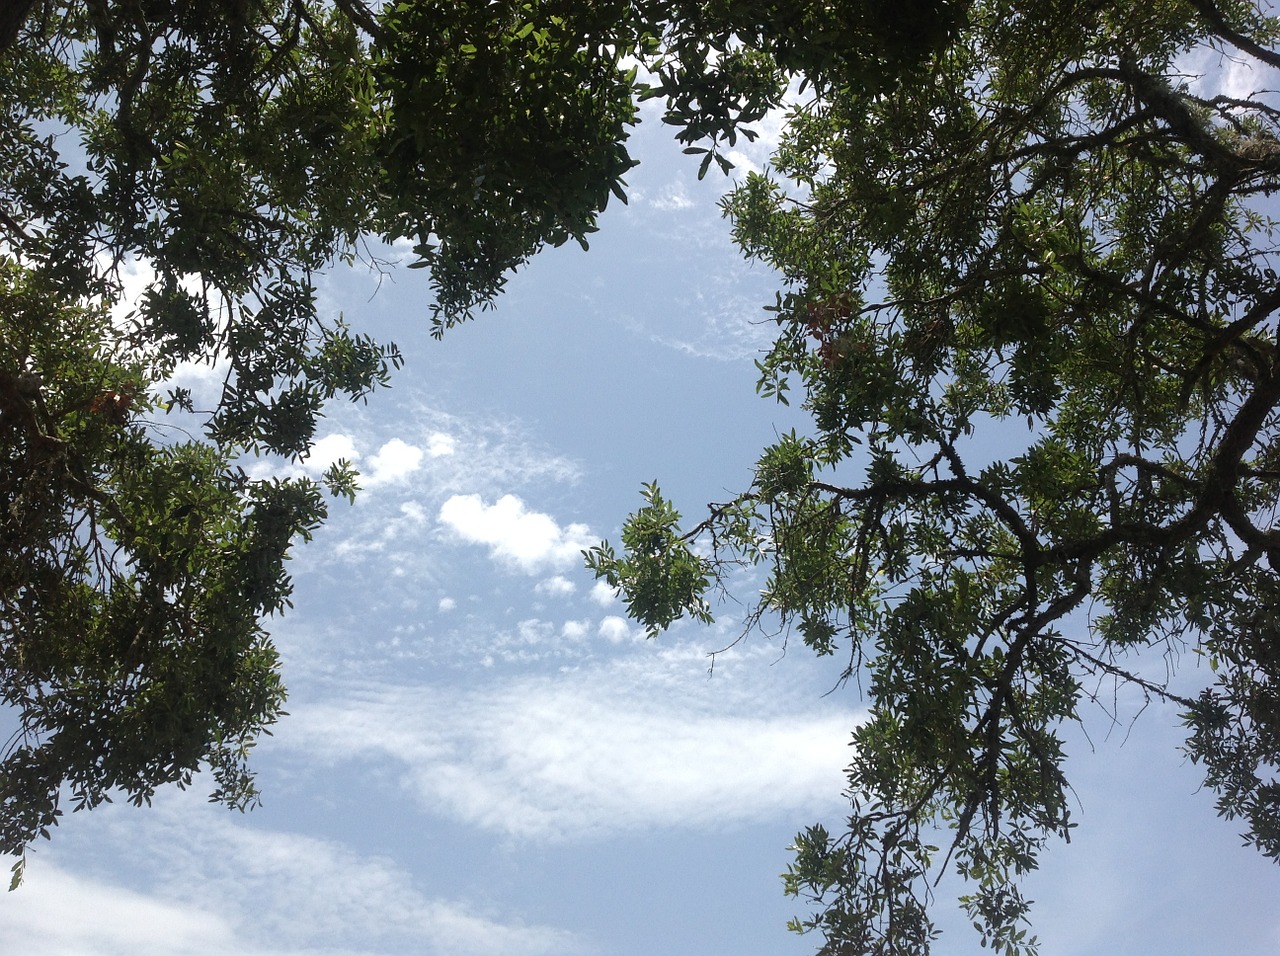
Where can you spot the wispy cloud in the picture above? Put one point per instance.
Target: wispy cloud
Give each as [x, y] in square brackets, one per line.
[219, 886]
[637, 742]
[107, 920]
[672, 196]
[474, 455]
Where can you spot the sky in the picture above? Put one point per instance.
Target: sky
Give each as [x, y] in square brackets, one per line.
[484, 756]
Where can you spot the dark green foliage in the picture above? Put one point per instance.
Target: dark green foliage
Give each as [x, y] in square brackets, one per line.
[661, 578]
[234, 149]
[1046, 246]
[527, 108]
[133, 577]
[996, 215]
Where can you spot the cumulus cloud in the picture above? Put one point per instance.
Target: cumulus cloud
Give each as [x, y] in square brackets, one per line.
[394, 461]
[615, 629]
[430, 457]
[558, 585]
[329, 449]
[528, 540]
[440, 444]
[603, 594]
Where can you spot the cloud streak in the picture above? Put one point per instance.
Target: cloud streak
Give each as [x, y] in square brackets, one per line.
[623, 746]
[228, 888]
[107, 920]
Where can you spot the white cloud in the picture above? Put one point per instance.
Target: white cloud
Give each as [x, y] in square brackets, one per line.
[615, 629]
[732, 324]
[599, 749]
[1211, 72]
[414, 512]
[106, 920]
[529, 540]
[329, 449]
[465, 455]
[742, 163]
[447, 604]
[557, 586]
[394, 461]
[532, 640]
[603, 594]
[220, 887]
[673, 197]
[440, 444]
[533, 631]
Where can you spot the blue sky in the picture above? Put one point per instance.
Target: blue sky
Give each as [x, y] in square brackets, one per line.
[484, 757]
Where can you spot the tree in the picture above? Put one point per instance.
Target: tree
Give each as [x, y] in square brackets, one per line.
[235, 149]
[1031, 304]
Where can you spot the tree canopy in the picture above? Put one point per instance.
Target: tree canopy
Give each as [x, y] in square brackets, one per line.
[231, 151]
[1030, 303]
[234, 149]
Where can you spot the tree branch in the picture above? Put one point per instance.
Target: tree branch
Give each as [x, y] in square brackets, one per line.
[1212, 16]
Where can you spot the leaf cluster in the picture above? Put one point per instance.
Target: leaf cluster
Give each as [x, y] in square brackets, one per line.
[1030, 304]
[230, 152]
[133, 577]
[660, 577]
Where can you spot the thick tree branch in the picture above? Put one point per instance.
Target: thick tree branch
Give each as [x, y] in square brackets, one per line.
[360, 15]
[13, 13]
[1212, 16]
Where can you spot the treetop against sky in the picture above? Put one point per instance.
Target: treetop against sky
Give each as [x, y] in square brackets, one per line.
[1019, 350]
